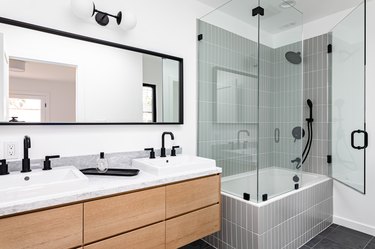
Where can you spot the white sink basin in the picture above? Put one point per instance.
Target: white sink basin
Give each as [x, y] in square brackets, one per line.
[173, 165]
[40, 183]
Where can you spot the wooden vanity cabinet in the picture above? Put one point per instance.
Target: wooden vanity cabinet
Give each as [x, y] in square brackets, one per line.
[191, 195]
[54, 228]
[115, 215]
[149, 237]
[164, 217]
[192, 226]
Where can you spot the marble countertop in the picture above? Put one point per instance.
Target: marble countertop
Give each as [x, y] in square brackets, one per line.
[99, 186]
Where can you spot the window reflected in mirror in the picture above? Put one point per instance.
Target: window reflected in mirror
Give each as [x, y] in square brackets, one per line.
[41, 92]
[149, 103]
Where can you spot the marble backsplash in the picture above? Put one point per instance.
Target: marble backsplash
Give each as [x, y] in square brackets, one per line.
[115, 160]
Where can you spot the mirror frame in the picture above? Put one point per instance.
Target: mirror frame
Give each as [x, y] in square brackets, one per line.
[105, 43]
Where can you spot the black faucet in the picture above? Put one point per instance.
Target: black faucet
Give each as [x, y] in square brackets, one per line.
[47, 162]
[238, 136]
[173, 151]
[26, 159]
[3, 167]
[162, 151]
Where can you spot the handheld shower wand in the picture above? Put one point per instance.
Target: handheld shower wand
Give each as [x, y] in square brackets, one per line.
[309, 120]
[310, 104]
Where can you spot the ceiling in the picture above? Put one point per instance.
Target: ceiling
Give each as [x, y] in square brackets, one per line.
[46, 71]
[311, 9]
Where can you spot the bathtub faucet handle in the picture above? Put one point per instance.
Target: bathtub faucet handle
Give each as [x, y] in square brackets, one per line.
[298, 161]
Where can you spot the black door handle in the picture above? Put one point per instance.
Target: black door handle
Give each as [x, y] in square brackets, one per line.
[365, 139]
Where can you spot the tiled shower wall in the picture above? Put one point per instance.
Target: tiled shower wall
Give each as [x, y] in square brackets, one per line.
[284, 223]
[288, 96]
[282, 103]
[279, 94]
[316, 88]
[220, 138]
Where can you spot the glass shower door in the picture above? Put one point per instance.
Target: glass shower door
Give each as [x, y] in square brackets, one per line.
[280, 99]
[228, 94]
[348, 131]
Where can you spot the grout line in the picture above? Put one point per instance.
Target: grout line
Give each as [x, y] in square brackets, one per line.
[307, 232]
[318, 241]
[369, 242]
[346, 247]
[325, 237]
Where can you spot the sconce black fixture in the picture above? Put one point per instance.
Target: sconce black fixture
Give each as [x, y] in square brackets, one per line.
[102, 18]
[86, 9]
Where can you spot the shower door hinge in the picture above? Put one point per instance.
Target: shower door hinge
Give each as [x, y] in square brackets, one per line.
[200, 37]
[258, 11]
[329, 48]
[329, 159]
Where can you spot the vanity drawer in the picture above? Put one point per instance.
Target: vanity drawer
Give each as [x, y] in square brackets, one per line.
[54, 228]
[192, 226]
[192, 195]
[150, 237]
[115, 215]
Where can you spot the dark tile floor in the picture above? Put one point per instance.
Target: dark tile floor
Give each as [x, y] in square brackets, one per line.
[199, 244]
[334, 237]
[338, 237]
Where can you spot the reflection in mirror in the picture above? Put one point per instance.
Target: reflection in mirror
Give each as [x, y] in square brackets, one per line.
[86, 82]
[236, 96]
[41, 92]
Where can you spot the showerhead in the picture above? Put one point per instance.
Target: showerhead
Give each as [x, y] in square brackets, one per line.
[293, 57]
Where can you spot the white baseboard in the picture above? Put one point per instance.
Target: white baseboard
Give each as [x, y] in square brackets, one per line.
[354, 225]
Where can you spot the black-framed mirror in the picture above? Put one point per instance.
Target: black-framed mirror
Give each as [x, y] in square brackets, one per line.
[52, 77]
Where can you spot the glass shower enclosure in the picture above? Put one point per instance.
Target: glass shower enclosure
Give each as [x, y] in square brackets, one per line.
[347, 60]
[250, 93]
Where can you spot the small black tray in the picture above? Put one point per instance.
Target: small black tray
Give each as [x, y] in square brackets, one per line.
[111, 172]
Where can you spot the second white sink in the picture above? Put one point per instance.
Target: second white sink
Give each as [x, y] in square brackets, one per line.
[173, 165]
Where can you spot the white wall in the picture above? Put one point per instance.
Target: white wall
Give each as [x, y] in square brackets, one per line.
[166, 26]
[62, 96]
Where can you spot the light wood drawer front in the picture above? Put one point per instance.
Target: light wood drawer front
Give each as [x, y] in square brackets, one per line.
[150, 237]
[55, 228]
[193, 226]
[114, 215]
[192, 195]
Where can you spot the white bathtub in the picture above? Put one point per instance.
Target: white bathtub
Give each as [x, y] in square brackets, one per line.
[288, 219]
[275, 182]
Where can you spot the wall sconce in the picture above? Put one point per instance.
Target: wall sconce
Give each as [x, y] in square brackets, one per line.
[86, 9]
